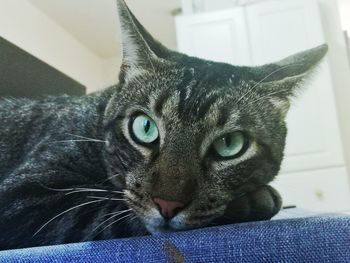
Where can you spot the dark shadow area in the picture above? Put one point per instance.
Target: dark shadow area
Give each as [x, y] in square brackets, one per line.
[23, 75]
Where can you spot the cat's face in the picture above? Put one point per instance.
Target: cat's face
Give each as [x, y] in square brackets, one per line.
[187, 136]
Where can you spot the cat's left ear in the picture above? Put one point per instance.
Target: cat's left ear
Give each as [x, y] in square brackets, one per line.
[140, 49]
[280, 81]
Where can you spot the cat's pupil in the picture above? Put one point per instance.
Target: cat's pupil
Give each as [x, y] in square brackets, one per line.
[227, 140]
[146, 125]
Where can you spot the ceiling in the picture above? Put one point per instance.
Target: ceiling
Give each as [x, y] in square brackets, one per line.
[95, 24]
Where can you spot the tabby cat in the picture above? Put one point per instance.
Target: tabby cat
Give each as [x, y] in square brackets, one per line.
[179, 143]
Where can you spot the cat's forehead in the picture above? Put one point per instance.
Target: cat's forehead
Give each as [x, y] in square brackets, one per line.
[195, 101]
[201, 92]
[211, 72]
[199, 95]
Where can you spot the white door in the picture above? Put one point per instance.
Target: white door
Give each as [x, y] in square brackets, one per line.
[317, 190]
[278, 29]
[219, 36]
[313, 173]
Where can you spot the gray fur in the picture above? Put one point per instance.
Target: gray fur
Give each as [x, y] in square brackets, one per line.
[45, 150]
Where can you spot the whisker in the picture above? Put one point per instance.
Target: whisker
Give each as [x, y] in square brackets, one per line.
[110, 178]
[262, 80]
[264, 97]
[105, 198]
[64, 212]
[57, 189]
[123, 217]
[82, 190]
[77, 141]
[133, 218]
[113, 176]
[86, 138]
[115, 214]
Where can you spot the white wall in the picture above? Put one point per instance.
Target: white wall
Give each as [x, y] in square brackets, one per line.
[110, 71]
[30, 29]
[339, 67]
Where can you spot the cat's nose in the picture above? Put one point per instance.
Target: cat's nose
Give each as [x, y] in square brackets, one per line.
[168, 209]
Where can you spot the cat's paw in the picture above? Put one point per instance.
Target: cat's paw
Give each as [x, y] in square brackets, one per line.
[261, 204]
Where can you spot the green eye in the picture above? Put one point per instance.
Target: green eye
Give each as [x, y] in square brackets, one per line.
[230, 145]
[145, 129]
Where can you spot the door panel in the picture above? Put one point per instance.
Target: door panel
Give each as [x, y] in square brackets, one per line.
[318, 190]
[219, 36]
[278, 29]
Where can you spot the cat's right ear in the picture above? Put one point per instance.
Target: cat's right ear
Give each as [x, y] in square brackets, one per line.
[139, 49]
[279, 82]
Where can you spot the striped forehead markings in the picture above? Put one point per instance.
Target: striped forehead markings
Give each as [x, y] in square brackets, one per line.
[161, 100]
[205, 107]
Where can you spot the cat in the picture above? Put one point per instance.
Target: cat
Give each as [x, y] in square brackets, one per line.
[179, 143]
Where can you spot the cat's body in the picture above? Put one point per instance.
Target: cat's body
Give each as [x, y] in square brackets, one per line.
[38, 150]
[179, 143]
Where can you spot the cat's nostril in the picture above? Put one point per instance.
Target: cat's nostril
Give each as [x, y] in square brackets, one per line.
[168, 209]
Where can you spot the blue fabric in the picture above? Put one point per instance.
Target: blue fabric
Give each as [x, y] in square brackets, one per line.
[314, 239]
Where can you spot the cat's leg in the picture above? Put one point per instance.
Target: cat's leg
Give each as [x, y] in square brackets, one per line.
[261, 204]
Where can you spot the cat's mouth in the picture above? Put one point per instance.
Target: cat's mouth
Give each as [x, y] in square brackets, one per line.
[156, 224]
[161, 225]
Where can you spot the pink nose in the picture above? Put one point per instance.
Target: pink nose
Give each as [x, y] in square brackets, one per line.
[168, 209]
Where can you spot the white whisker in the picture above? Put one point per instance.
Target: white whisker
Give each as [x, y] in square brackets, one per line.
[106, 198]
[265, 97]
[113, 176]
[261, 81]
[115, 214]
[126, 216]
[78, 141]
[133, 218]
[110, 178]
[64, 212]
[82, 190]
[86, 138]
[57, 189]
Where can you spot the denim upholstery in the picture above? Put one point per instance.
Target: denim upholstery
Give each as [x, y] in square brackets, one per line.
[313, 239]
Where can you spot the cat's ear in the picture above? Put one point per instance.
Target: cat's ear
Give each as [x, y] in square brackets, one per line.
[280, 81]
[139, 49]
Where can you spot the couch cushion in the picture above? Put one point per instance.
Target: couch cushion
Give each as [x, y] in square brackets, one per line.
[312, 239]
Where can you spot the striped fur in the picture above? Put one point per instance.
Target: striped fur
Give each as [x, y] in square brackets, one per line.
[71, 171]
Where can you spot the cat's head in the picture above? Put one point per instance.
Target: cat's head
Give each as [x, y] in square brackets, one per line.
[187, 136]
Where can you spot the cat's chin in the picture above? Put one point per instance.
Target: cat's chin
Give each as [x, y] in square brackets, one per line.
[157, 225]
[154, 230]
[165, 228]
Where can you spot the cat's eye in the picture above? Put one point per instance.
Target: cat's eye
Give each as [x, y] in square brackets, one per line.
[231, 145]
[144, 129]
